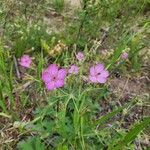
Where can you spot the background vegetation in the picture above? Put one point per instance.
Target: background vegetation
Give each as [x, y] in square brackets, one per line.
[114, 115]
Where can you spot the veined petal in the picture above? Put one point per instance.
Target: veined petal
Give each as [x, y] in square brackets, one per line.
[25, 61]
[46, 76]
[92, 71]
[99, 68]
[62, 74]
[101, 79]
[80, 56]
[93, 79]
[50, 86]
[105, 73]
[59, 83]
[53, 69]
[73, 69]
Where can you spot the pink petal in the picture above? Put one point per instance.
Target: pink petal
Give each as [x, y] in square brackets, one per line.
[92, 71]
[62, 74]
[25, 56]
[99, 68]
[25, 64]
[105, 73]
[25, 61]
[59, 83]
[93, 79]
[50, 86]
[80, 56]
[124, 55]
[73, 69]
[53, 69]
[46, 76]
[70, 71]
[76, 71]
[101, 79]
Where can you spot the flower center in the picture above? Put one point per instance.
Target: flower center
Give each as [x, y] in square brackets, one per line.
[54, 78]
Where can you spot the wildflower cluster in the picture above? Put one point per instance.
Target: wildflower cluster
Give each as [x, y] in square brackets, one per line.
[54, 76]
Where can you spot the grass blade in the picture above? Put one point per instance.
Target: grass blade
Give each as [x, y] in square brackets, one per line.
[131, 135]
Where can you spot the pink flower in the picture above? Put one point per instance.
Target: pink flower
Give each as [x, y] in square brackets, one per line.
[54, 77]
[73, 69]
[80, 56]
[124, 55]
[98, 74]
[25, 61]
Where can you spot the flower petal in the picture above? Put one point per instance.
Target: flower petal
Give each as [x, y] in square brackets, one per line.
[99, 68]
[62, 74]
[105, 73]
[59, 83]
[70, 71]
[101, 79]
[73, 69]
[93, 79]
[124, 55]
[53, 69]
[80, 56]
[25, 61]
[50, 86]
[92, 71]
[46, 76]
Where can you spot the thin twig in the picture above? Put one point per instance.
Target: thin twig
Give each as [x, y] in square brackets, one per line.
[125, 85]
[23, 87]
[16, 67]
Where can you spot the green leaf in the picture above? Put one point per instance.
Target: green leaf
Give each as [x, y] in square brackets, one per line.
[131, 135]
[33, 143]
[62, 147]
[105, 118]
